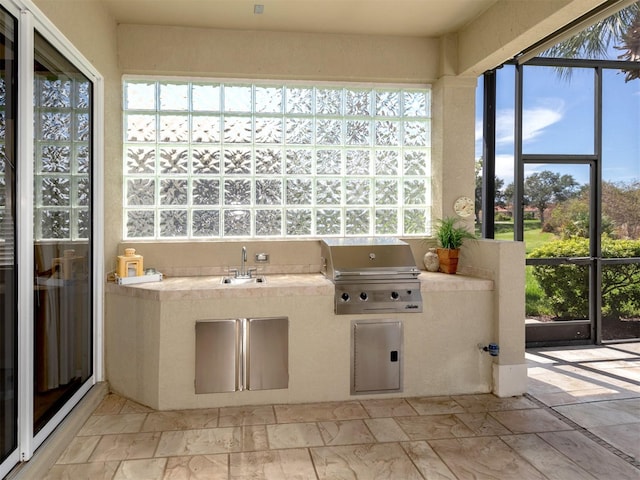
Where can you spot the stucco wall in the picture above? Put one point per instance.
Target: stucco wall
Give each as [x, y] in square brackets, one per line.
[510, 26]
[451, 64]
[155, 364]
[498, 34]
[282, 55]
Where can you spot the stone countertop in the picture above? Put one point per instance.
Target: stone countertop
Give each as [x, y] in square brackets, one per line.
[444, 282]
[278, 285]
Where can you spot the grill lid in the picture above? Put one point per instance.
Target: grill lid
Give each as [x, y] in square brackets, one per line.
[368, 258]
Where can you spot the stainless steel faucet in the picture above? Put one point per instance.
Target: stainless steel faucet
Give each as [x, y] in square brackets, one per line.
[243, 261]
[243, 272]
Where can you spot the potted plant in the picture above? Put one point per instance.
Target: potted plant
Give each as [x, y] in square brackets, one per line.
[450, 237]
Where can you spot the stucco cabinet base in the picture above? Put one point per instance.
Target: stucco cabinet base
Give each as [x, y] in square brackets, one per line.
[150, 339]
[509, 380]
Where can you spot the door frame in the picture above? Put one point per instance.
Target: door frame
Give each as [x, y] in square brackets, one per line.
[30, 18]
[571, 332]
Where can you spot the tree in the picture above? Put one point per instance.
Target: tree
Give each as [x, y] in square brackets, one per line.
[620, 203]
[571, 219]
[631, 46]
[508, 194]
[543, 189]
[478, 191]
[499, 200]
[622, 29]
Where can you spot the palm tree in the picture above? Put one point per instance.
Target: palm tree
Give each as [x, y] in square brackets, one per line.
[620, 30]
[631, 45]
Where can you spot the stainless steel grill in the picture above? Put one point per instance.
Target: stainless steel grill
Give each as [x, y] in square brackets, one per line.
[372, 275]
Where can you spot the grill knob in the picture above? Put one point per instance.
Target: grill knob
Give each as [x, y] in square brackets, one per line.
[363, 295]
[345, 297]
[395, 295]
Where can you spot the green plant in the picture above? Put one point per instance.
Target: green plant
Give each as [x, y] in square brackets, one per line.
[566, 286]
[449, 234]
[536, 303]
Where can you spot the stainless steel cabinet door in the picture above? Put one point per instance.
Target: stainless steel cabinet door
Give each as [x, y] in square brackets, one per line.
[377, 356]
[218, 356]
[267, 353]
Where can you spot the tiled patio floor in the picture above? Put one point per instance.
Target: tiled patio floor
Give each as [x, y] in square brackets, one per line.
[580, 420]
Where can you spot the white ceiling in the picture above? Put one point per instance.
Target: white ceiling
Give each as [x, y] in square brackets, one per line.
[425, 18]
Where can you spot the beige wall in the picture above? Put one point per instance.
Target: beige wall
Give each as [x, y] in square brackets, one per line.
[502, 262]
[498, 34]
[276, 55]
[510, 26]
[451, 64]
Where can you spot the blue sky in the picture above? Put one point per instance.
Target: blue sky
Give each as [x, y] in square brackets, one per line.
[558, 115]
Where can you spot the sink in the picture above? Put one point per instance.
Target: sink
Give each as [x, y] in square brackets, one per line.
[243, 280]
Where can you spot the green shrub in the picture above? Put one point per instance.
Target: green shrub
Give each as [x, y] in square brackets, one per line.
[536, 303]
[567, 286]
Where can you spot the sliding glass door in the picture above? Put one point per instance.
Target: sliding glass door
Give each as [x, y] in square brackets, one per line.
[62, 230]
[50, 306]
[8, 273]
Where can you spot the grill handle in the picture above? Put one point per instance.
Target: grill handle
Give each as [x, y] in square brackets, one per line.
[376, 272]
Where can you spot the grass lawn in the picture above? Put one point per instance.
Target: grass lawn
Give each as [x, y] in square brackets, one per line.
[533, 234]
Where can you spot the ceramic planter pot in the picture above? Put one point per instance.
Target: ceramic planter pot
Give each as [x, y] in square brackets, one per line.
[430, 260]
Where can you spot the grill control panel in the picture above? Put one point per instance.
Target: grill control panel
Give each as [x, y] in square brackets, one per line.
[381, 297]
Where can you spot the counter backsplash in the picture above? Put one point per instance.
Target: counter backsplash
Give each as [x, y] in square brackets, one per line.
[193, 259]
[190, 271]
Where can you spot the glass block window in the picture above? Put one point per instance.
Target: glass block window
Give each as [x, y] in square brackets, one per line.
[208, 159]
[7, 178]
[62, 143]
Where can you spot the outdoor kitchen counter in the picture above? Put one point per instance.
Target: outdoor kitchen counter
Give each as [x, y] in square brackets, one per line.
[150, 338]
[194, 288]
[277, 285]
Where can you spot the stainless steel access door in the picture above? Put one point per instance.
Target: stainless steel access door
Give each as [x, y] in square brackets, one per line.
[218, 352]
[376, 364]
[267, 357]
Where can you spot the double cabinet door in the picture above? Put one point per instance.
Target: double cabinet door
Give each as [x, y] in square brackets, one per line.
[242, 354]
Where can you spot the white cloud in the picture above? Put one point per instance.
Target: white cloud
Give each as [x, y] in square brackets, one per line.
[505, 127]
[504, 168]
[535, 120]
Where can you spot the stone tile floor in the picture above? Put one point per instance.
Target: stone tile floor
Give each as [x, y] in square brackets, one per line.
[579, 420]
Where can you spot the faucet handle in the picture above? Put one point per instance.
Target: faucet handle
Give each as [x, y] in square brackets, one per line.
[235, 272]
[251, 270]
